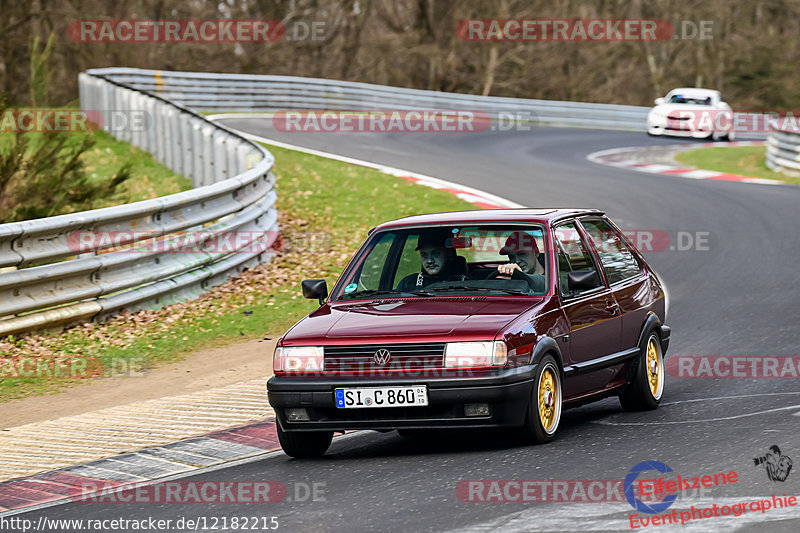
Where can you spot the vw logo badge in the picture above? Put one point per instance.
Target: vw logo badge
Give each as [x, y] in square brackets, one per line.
[382, 357]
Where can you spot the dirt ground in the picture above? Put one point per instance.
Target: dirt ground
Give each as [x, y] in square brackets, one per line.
[204, 369]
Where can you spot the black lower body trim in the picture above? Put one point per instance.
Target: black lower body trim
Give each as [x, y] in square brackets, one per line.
[508, 397]
[602, 362]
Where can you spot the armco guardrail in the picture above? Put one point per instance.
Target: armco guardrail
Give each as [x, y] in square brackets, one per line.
[249, 92]
[49, 284]
[783, 152]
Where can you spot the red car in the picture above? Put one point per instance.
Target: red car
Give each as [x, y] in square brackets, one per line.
[473, 319]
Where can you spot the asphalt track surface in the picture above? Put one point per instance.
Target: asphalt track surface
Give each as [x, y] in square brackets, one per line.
[737, 297]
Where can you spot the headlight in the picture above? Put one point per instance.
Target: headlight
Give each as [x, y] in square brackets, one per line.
[475, 354]
[298, 359]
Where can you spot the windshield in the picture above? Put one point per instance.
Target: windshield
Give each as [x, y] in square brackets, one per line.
[428, 261]
[691, 100]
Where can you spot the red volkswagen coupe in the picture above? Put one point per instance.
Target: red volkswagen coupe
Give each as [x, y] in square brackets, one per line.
[473, 319]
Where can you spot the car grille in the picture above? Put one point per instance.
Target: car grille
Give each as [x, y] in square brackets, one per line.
[361, 358]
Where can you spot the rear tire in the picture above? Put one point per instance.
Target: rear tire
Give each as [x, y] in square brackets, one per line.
[544, 409]
[647, 385]
[302, 444]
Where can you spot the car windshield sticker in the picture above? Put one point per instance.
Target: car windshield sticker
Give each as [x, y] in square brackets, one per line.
[350, 288]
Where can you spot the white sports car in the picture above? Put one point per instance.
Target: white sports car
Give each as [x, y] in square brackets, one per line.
[692, 112]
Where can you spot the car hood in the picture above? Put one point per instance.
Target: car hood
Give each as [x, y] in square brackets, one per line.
[409, 320]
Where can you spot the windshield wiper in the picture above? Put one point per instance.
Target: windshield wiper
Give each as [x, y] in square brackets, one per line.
[466, 288]
[420, 293]
[375, 292]
[368, 292]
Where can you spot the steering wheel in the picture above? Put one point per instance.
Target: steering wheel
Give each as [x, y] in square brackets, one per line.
[516, 275]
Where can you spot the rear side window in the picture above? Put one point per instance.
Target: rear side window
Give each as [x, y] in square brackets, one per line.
[618, 260]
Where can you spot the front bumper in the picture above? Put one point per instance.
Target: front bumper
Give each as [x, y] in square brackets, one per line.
[507, 391]
[660, 127]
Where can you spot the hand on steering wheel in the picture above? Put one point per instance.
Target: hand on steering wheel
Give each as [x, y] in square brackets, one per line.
[506, 271]
[511, 271]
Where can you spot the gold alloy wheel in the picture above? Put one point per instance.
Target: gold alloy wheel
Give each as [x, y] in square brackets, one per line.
[548, 399]
[653, 368]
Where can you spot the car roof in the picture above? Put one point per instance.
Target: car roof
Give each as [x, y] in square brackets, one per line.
[543, 216]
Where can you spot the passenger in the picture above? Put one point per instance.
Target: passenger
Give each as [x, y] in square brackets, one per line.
[525, 260]
[438, 263]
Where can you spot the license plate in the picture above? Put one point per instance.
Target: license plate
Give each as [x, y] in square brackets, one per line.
[416, 396]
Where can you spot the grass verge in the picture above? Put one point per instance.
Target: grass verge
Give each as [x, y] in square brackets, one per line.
[742, 160]
[326, 208]
[149, 178]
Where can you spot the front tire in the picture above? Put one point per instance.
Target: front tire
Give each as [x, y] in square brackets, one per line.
[303, 444]
[544, 410]
[647, 385]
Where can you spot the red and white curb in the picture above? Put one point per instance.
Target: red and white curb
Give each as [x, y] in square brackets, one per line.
[634, 158]
[476, 197]
[157, 463]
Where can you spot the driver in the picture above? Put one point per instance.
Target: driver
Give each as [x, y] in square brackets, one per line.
[525, 261]
[438, 263]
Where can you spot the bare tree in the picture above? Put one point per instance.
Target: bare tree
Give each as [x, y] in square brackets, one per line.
[752, 55]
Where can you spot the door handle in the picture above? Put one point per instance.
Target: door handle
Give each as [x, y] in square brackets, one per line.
[612, 307]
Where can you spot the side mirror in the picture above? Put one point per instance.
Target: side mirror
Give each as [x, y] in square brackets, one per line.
[582, 280]
[658, 101]
[315, 288]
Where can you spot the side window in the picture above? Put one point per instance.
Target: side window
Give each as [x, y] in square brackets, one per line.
[370, 277]
[563, 270]
[409, 260]
[573, 255]
[618, 260]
